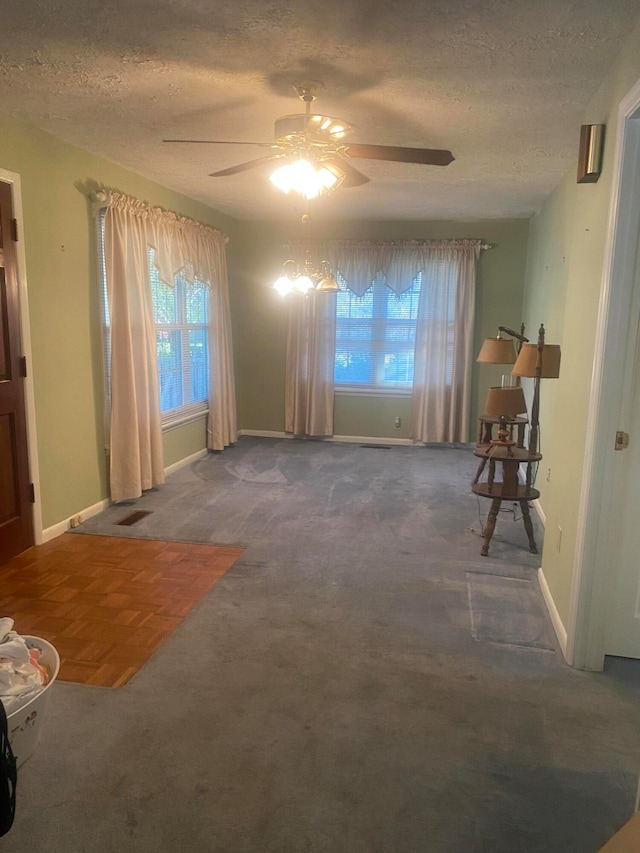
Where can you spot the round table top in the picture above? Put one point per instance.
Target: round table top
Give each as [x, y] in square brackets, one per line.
[522, 493]
[506, 453]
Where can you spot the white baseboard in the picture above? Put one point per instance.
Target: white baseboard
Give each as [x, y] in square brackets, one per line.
[62, 526]
[264, 433]
[367, 439]
[182, 463]
[349, 439]
[539, 512]
[556, 621]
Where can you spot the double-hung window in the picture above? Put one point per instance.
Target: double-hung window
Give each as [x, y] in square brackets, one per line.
[182, 317]
[375, 338]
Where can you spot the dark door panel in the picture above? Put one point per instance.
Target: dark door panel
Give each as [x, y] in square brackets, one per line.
[16, 527]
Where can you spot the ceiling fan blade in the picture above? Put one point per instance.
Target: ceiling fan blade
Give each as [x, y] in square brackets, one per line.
[242, 167]
[352, 177]
[222, 142]
[424, 156]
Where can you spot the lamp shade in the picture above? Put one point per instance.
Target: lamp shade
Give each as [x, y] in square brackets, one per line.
[528, 358]
[497, 351]
[505, 402]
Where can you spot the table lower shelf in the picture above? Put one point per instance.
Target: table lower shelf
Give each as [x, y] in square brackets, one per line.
[495, 491]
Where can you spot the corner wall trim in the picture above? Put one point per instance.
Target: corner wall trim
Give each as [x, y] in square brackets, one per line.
[556, 621]
[62, 526]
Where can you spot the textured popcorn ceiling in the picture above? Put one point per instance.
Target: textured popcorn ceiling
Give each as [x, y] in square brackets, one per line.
[502, 83]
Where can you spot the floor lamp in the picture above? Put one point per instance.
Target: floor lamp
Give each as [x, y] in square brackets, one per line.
[537, 361]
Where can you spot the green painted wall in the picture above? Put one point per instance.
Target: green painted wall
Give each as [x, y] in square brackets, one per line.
[564, 277]
[64, 312]
[261, 315]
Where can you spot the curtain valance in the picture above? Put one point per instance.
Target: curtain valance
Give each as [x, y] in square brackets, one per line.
[358, 262]
[180, 244]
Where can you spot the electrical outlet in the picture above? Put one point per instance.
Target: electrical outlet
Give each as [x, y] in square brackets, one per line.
[548, 475]
[397, 423]
[558, 539]
[75, 521]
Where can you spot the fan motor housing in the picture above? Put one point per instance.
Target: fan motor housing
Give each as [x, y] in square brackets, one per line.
[299, 127]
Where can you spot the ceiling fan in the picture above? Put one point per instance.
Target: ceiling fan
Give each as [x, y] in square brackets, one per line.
[319, 139]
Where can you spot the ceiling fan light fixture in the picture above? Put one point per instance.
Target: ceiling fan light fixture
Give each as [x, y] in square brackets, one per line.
[305, 178]
[315, 155]
[331, 176]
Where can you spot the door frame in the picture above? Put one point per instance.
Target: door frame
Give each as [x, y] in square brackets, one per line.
[13, 178]
[600, 501]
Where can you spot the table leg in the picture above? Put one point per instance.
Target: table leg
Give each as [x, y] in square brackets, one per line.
[483, 462]
[491, 525]
[528, 526]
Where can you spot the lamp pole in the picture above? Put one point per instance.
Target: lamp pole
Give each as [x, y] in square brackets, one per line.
[535, 407]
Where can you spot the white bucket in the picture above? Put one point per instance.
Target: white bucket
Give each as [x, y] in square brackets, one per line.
[25, 723]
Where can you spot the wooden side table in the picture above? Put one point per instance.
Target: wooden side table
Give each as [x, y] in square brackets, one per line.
[507, 489]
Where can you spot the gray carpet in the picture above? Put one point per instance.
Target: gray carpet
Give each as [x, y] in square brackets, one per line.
[361, 681]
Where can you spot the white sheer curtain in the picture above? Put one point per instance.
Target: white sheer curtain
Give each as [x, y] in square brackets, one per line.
[130, 228]
[444, 337]
[222, 427]
[311, 349]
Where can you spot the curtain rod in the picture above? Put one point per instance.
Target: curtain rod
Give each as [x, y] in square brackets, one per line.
[102, 199]
[400, 243]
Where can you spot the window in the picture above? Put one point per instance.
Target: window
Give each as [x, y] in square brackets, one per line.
[181, 315]
[375, 337]
[182, 337]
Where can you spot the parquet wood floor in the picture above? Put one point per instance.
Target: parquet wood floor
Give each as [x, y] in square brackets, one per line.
[107, 603]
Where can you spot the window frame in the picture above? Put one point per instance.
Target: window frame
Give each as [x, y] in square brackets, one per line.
[191, 410]
[380, 297]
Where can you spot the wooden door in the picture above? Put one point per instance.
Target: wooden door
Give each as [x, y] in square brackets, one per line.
[16, 526]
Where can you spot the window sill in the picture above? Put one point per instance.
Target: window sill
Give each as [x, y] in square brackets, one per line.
[184, 420]
[353, 391]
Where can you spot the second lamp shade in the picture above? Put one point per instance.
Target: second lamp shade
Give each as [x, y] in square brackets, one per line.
[528, 359]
